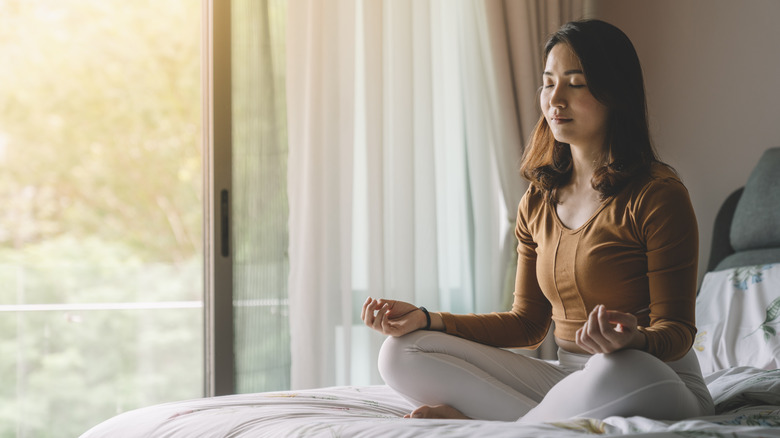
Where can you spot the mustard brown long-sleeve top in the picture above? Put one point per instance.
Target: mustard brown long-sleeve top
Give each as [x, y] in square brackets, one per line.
[637, 252]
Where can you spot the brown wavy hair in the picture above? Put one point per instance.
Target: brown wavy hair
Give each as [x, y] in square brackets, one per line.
[614, 77]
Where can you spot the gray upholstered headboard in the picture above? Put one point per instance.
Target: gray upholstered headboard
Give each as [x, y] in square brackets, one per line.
[747, 227]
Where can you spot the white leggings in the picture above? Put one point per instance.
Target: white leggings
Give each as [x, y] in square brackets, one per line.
[488, 383]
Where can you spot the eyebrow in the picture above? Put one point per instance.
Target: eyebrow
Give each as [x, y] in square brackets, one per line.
[566, 73]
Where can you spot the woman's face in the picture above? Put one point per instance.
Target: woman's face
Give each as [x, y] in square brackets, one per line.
[574, 115]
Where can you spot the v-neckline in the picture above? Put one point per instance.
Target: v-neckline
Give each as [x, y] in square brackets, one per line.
[592, 217]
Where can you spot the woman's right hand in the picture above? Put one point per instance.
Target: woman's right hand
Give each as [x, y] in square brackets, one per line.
[392, 318]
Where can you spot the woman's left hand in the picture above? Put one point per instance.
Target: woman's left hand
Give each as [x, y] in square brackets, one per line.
[606, 331]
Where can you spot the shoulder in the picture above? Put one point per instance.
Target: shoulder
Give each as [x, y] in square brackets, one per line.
[533, 194]
[658, 184]
[658, 201]
[530, 213]
[532, 202]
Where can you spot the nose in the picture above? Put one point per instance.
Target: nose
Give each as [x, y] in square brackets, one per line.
[558, 96]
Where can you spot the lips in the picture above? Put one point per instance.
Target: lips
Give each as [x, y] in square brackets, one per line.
[559, 120]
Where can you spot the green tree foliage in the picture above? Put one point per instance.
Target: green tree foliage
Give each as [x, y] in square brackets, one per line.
[100, 184]
[100, 127]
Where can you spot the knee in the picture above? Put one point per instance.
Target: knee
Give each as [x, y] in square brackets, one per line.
[629, 365]
[387, 354]
[405, 355]
[393, 356]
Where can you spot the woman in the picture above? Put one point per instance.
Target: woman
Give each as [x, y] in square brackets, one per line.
[608, 247]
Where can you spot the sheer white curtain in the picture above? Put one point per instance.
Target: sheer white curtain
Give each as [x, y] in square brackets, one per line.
[402, 132]
[320, 112]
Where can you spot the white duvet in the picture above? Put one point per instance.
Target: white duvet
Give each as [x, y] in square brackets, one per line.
[376, 411]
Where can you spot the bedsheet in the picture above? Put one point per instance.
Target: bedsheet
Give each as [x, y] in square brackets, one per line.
[747, 402]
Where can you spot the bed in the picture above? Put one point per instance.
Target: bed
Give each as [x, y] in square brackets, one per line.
[738, 345]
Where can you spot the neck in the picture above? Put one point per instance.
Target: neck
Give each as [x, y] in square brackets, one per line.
[584, 163]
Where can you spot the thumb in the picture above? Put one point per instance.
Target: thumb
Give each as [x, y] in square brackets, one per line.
[621, 318]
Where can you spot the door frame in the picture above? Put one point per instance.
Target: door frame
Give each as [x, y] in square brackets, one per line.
[219, 352]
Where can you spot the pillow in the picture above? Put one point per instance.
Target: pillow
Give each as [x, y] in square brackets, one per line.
[738, 318]
[756, 217]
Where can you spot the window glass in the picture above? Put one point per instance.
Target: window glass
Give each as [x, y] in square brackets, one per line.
[101, 252]
[259, 201]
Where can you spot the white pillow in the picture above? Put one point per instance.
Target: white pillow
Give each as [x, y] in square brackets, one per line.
[738, 318]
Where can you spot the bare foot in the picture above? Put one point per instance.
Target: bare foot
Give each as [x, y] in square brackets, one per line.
[438, 411]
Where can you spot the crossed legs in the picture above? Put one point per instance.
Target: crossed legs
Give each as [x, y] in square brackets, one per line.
[433, 368]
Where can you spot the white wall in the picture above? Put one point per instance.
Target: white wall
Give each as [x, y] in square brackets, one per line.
[712, 74]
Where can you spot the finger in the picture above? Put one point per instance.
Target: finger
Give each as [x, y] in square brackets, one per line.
[586, 342]
[592, 326]
[370, 308]
[579, 339]
[389, 304]
[611, 337]
[380, 314]
[363, 311]
[605, 327]
[387, 328]
[592, 335]
[626, 320]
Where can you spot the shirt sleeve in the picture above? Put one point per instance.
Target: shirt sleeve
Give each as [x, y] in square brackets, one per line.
[527, 323]
[666, 221]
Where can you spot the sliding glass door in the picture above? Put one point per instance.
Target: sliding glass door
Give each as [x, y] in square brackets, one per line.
[247, 271]
[143, 234]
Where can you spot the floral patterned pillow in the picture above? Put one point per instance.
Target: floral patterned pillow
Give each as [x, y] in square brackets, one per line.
[738, 318]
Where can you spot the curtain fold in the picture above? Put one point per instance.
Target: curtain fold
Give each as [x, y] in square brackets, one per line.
[320, 95]
[405, 139]
[513, 34]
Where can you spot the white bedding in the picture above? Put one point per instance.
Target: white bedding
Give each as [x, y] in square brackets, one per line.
[737, 346]
[738, 317]
[377, 411]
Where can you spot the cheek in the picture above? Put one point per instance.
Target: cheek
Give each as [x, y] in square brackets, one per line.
[596, 109]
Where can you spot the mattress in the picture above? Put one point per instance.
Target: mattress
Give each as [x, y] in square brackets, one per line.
[747, 399]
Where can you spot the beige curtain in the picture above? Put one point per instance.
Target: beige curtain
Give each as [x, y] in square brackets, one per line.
[527, 25]
[515, 31]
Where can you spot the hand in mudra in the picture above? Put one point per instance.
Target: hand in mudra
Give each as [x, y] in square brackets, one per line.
[392, 318]
[606, 331]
